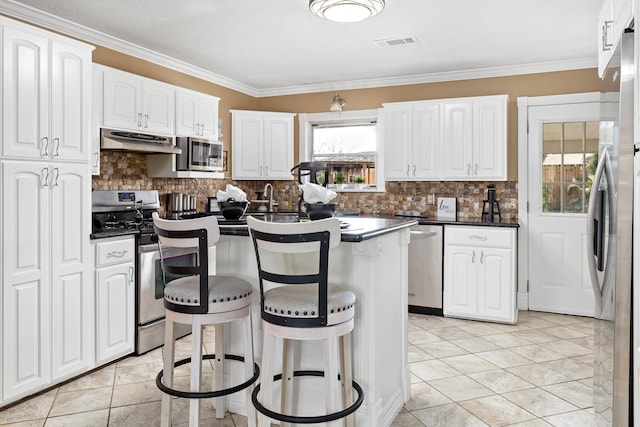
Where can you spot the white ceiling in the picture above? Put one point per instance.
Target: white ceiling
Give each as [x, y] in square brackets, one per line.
[273, 47]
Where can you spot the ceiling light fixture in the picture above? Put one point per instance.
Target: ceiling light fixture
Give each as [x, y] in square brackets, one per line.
[346, 10]
[337, 103]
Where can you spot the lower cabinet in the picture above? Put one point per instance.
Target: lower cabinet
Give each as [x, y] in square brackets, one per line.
[115, 295]
[480, 273]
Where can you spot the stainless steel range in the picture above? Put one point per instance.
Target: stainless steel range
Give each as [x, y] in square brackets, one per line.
[117, 213]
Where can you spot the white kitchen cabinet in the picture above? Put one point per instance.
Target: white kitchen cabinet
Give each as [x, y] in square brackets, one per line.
[262, 145]
[412, 140]
[46, 86]
[47, 294]
[480, 273]
[196, 114]
[136, 103]
[614, 17]
[115, 297]
[474, 139]
[97, 114]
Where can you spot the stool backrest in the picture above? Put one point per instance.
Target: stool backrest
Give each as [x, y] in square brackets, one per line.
[294, 254]
[196, 233]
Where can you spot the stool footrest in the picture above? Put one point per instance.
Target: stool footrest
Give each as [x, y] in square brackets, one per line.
[307, 419]
[207, 394]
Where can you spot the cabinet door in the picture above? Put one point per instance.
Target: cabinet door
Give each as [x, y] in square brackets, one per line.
[605, 36]
[72, 307]
[208, 113]
[25, 277]
[25, 94]
[457, 140]
[496, 285]
[70, 102]
[460, 281]
[115, 311]
[489, 140]
[426, 142]
[158, 103]
[122, 99]
[97, 93]
[398, 142]
[247, 146]
[277, 150]
[187, 113]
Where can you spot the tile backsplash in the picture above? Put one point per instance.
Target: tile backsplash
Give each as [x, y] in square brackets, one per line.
[128, 171]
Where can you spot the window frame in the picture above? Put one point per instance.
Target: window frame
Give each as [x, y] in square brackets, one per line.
[305, 149]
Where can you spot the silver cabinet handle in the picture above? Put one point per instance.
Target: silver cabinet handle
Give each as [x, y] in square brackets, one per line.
[202, 129]
[45, 147]
[473, 257]
[56, 175]
[44, 178]
[130, 274]
[408, 166]
[412, 294]
[606, 44]
[414, 170]
[139, 120]
[260, 172]
[146, 120]
[116, 254]
[476, 237]
[56, 145]
[468, 168]
[422, 233]
[96, 157]
[481, 257]
[475, 169]
[266, 171]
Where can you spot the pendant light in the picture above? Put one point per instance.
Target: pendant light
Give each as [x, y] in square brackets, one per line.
[346, 10]
[337, 103]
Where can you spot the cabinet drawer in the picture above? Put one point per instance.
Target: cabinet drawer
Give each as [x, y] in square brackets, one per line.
[115, 252]
[479, 236]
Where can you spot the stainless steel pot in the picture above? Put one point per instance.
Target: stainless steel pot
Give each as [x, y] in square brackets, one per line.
[175, 203]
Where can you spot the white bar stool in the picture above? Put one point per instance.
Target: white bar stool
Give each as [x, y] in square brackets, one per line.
[298, 303]
[194, 297]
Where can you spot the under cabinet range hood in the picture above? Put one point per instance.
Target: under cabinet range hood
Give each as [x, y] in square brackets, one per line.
[111, 139]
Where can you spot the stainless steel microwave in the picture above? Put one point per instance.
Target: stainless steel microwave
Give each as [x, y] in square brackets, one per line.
[199, 154]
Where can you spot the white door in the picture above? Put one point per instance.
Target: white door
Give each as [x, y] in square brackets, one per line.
[562, 154]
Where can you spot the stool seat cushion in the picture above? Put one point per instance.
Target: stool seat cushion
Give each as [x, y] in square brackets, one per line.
[223, 291]
[301, 301]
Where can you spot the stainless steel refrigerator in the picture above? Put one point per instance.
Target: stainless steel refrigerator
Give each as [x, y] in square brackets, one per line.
[610, 242]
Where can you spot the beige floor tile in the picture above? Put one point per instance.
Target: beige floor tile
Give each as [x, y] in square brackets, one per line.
[31, 423]
[227, 421]
[535, 336]
[142, 415]
[566, 332]
[501, 381]
[587, 342]
[504, 358]
[451, 333]
[101, 378]
[538, 422]
[428, 322]
[460, 388]
[539, 402]
[507, 340]
[571, 419]
[475, 344]
[406, 420]
[564, 319]
[586, 327]
[415, 379]
[432, 370]
[496, 410]
[154, 356]
[33, 409]
[537, 374]
[567, 348]
[536, 323]
[425, 396]
[442, 349]
[420, 337]
[537, 353]
[416, 354]
[570, 368]
[137, 373]
[85, 419]
[72, 402]
[469, 363]
[448, 416]
[574, 392]
[587, 359]
[134, 393]
[480, 329]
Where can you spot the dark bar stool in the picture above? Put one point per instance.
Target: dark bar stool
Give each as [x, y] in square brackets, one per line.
[298, 303]
[194, 297]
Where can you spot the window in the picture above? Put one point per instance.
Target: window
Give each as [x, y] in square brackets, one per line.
[348, 142]
[569, 160]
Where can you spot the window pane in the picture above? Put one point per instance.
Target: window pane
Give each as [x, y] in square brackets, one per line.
[551, 197]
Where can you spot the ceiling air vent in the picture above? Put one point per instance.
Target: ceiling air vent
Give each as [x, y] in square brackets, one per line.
[396, 42]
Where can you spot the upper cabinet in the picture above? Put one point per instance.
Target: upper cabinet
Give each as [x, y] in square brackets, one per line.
[413, 132]
[46, 86]
[196, 114]
[614, 17]
[466, 136]
[262, 144]
[136, 103]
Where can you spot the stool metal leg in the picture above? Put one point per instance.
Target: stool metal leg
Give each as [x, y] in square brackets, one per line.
[168, 354]
[219, 369]
[196, 371]
[248, 367]
[347, 376]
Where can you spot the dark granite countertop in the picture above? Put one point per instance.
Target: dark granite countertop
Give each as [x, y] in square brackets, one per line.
[472, 221]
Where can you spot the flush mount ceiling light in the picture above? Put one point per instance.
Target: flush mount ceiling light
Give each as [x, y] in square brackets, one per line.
[346, 10]
[337, 103]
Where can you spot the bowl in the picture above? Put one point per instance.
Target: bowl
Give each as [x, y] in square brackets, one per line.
[232, 210]
[320, 210]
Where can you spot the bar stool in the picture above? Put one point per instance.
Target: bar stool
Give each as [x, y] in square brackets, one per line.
[298, 303]
[192, 296]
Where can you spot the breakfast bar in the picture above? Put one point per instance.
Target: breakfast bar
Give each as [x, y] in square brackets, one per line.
[372, 262]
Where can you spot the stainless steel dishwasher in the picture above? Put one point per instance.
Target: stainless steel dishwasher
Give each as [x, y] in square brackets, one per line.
[425, 269]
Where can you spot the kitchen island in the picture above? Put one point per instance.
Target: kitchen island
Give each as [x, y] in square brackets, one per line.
[371, 261]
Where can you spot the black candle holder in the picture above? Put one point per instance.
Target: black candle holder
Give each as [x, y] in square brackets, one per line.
[491, 206]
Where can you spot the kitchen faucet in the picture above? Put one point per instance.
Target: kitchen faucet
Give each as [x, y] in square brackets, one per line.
[269, 196]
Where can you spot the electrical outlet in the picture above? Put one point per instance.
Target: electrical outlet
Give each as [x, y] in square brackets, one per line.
[429, 199]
